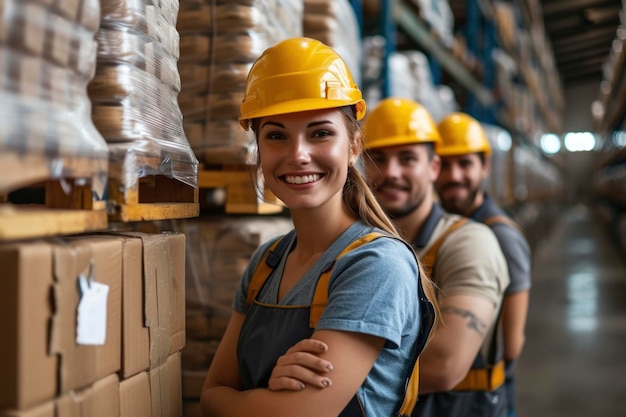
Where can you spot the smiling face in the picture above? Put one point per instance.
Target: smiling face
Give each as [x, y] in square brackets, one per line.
[460, 183]
[402, 177]
[305, 156]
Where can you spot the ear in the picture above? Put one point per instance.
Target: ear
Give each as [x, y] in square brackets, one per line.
[487, 168]
[355, 150]
[435, 167]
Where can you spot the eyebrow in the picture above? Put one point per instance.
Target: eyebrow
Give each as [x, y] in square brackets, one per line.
[312, 124]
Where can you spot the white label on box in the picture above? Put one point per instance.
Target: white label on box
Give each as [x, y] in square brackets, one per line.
[92, 312]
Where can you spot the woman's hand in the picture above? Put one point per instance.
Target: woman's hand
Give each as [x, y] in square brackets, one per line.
[301, 366]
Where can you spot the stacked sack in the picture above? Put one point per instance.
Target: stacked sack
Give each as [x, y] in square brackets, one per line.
[219, 42]
[47, 57]
[218, 252]
[334, 22]
[135, 92]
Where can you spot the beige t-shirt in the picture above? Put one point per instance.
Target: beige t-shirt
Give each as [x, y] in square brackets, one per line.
[469, 262]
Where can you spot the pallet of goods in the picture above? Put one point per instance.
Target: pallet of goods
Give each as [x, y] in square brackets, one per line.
[53, 161]
[152, 169]
[219, 42]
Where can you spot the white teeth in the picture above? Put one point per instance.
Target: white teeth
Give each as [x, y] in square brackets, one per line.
[292, 179]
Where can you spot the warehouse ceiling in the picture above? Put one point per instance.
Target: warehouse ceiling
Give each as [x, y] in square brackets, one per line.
[581, 33]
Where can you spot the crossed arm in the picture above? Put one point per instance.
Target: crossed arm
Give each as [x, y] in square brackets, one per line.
[352, 356]
[444, 362]
[514, 312]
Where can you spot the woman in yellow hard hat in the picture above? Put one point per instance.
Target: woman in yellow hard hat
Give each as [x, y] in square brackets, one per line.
[330, 291]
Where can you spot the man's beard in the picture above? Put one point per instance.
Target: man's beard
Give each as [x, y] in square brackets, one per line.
[460, 205]
[413, 203]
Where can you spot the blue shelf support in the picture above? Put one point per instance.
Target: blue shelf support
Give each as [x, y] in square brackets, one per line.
[473, 36]
[389, 33]
[490, 42]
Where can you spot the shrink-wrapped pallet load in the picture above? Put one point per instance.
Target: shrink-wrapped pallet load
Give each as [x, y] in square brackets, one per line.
[47, 58]
[219, 42]
[334, 23]
[135, 94]
[218, 252]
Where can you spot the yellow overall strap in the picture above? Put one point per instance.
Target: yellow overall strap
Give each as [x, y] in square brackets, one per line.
[504, 220]
[320, 298]
[429, 257]
[261, 274]
[412, 389]
[483, 379]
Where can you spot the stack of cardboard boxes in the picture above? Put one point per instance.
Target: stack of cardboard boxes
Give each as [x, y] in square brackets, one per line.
[94, 326]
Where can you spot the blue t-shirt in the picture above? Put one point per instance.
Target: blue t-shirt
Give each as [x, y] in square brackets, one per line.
[373, 290]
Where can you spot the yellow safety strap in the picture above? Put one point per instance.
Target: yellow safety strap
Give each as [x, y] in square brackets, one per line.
[320, 298]
[412, 389]
[429, 257]
[261, 274]
[483, 379]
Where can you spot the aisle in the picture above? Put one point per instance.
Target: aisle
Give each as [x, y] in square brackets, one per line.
[574, 363]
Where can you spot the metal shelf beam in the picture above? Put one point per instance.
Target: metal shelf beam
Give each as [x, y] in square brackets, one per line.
[414, 27]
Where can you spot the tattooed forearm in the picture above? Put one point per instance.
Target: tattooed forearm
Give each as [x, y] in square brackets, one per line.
[473, 322]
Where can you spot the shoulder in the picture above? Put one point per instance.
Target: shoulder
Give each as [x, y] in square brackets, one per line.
[382, 246]
[258, 256]
[470, 230]
[386, 254]
[508, 234]
[472, 253]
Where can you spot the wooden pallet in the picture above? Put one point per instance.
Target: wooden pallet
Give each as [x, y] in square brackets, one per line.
[241, 195]
[154, 197]
[133, 197]
[35, 202]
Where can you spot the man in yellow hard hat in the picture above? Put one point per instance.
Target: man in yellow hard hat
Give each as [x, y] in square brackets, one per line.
[460, 371]
[465, 153]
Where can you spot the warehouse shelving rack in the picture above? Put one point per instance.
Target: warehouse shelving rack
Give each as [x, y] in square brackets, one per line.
[481, 32]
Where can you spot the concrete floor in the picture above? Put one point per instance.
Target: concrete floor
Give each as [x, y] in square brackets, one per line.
[574, 362]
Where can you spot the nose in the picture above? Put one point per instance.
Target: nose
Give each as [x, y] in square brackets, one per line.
[453, 172]
[390, 168]
[301, 150]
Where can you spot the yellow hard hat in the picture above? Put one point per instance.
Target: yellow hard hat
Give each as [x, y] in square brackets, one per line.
[298, 74]
[462, 134]
[399, 121]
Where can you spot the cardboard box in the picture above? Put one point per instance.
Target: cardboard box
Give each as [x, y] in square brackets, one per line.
[153, 323]
[157, 392]
[28, 375]
[177, 270]
[102, 399]
[166, 388]
[135, 333]
[135, 398]
[164, 293]
[81, 365]
[47, 409]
